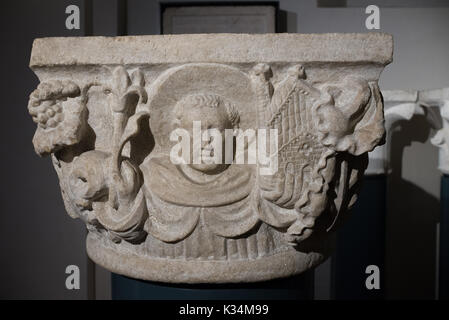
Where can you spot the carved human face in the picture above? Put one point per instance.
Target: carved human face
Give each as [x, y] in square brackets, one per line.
[211, 118]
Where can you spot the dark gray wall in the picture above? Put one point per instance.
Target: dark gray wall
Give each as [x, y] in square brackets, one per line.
[37, 238]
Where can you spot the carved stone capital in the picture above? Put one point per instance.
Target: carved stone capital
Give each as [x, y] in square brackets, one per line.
[114, 113]
[439, 98]
[400, 105]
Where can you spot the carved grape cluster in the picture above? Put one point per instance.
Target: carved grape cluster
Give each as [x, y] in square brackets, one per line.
[45, 104]
[58, 107]
[48, 114]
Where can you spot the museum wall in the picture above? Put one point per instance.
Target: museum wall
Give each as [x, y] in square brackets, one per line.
[38, 240]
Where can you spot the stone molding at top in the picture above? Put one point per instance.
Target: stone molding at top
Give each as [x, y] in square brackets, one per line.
[105, 110]
[219, 48]
[439, 98]
[402, 105]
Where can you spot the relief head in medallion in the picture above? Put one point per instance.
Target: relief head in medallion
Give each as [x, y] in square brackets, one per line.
[206, 178]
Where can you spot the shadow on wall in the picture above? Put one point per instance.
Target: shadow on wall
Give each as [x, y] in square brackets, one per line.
[412, 216]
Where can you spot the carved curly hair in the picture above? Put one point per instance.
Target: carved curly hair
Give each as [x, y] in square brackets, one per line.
[199, 100]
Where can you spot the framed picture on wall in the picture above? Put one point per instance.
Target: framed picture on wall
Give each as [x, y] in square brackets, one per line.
[219, 18]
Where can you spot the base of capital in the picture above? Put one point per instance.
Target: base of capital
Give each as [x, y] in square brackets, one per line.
[121, 260]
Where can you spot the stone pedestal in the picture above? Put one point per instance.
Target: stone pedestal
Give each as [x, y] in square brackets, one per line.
[361, 243]
[299, 287]
[211, 158]
[443, 274]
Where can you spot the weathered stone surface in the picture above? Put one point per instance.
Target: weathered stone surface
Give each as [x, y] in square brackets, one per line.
[120, 101]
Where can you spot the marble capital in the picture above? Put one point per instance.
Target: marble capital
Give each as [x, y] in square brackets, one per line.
[112, 113]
